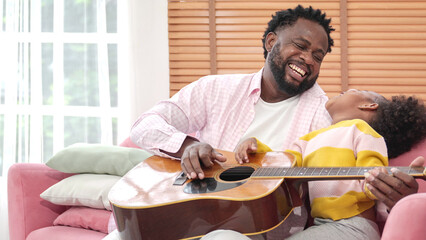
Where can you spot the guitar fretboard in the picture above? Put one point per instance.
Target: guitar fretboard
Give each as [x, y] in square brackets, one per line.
[328, 172]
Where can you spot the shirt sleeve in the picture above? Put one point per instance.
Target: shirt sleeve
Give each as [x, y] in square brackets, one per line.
[370, 151]
[167, 124]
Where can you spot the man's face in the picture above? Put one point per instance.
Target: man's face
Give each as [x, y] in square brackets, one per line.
[296, 56]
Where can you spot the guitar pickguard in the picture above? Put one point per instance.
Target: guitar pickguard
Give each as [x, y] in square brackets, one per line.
[209, 185]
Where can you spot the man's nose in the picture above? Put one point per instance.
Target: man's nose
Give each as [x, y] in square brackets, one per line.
[307, 57]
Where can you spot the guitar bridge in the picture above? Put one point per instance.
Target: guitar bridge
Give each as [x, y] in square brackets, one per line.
[181, 179]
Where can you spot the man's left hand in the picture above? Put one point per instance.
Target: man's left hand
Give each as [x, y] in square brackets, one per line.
[391, 188]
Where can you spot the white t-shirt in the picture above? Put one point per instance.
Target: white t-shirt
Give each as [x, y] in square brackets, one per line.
[277, 116]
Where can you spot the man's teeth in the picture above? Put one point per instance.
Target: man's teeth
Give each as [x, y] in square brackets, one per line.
[300, 71]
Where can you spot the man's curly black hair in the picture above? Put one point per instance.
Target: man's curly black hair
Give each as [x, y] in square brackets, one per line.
[402, 123]
[289, 17]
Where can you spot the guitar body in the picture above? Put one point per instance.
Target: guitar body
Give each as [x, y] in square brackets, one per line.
[147, 204]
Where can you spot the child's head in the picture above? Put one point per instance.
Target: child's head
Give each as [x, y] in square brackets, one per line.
[354, 104]
[401, 121]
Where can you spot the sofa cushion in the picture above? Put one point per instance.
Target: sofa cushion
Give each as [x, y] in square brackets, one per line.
[90, 190]
[65, 233]
[97, 158]
[84, 217]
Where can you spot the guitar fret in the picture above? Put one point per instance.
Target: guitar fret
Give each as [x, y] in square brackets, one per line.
[364, 170]
[259, 172]
[325, 172]
[276, 171]
[344, 171]
[353, 171]
[334, 171]
[403, 169]
[290, 172]
[281, 171]
[317, 171]
[302, 171]
[309, 171]
[271, 172]
[266, 172]
[296, 171]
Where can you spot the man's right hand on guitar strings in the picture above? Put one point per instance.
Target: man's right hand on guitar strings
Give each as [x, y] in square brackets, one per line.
[195, 155]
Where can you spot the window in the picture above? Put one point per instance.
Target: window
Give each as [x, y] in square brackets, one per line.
[60, 84]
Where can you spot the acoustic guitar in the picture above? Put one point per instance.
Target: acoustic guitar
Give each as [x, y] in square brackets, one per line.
[155, 200]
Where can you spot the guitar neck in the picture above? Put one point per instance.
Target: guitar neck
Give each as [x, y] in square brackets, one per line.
[328, 173]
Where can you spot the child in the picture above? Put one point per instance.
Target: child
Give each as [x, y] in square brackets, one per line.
[366, 130]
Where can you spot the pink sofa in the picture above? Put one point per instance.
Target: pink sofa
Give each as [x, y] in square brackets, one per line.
[31, 217]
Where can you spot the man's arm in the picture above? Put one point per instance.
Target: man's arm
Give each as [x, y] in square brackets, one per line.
[391, 188]
[154, 133]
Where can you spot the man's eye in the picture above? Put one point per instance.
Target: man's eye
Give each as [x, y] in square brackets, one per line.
[318, 58]
[300, 46]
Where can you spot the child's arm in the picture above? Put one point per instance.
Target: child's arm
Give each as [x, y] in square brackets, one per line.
[250, 145]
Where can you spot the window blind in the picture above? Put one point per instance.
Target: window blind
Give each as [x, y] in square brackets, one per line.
[379, 45]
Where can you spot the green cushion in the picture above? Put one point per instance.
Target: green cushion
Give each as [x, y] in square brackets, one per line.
[97, 158]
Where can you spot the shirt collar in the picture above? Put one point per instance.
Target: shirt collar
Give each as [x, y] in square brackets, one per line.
[254, 88]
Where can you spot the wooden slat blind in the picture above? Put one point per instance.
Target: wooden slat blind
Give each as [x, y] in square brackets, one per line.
[189, 42]
[387, 46]
[380, 45]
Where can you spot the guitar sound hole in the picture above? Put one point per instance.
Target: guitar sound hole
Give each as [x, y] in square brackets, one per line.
[236, 173]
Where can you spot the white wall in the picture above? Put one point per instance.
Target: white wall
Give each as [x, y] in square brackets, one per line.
[148, 56]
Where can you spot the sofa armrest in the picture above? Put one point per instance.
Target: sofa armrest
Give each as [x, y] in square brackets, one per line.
[407, 219]
[27, 211]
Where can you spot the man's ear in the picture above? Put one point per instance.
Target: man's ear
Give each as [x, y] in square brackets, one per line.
[369, 106]
[270, 40]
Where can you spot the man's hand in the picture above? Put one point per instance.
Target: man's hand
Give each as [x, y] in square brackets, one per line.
[391, 188]
[197, 155]
[247, 146]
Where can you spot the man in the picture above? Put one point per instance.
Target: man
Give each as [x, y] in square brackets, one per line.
[222, 110]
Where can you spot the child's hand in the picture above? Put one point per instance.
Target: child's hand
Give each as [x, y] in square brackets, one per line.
[246, 146]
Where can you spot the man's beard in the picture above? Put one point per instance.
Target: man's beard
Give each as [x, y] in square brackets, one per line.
[278, 71]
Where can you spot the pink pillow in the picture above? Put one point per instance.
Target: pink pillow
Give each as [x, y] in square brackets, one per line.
[85, 217]
[128, 143]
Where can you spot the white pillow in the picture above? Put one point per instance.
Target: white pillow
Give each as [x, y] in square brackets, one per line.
[90, 190]
[97, 158]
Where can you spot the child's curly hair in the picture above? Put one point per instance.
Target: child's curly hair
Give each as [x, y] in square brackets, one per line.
[402, 123]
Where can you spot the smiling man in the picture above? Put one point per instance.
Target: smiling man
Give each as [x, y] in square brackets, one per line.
[221, 110]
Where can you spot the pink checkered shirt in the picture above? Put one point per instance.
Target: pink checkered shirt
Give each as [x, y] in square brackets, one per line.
[218, 109]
